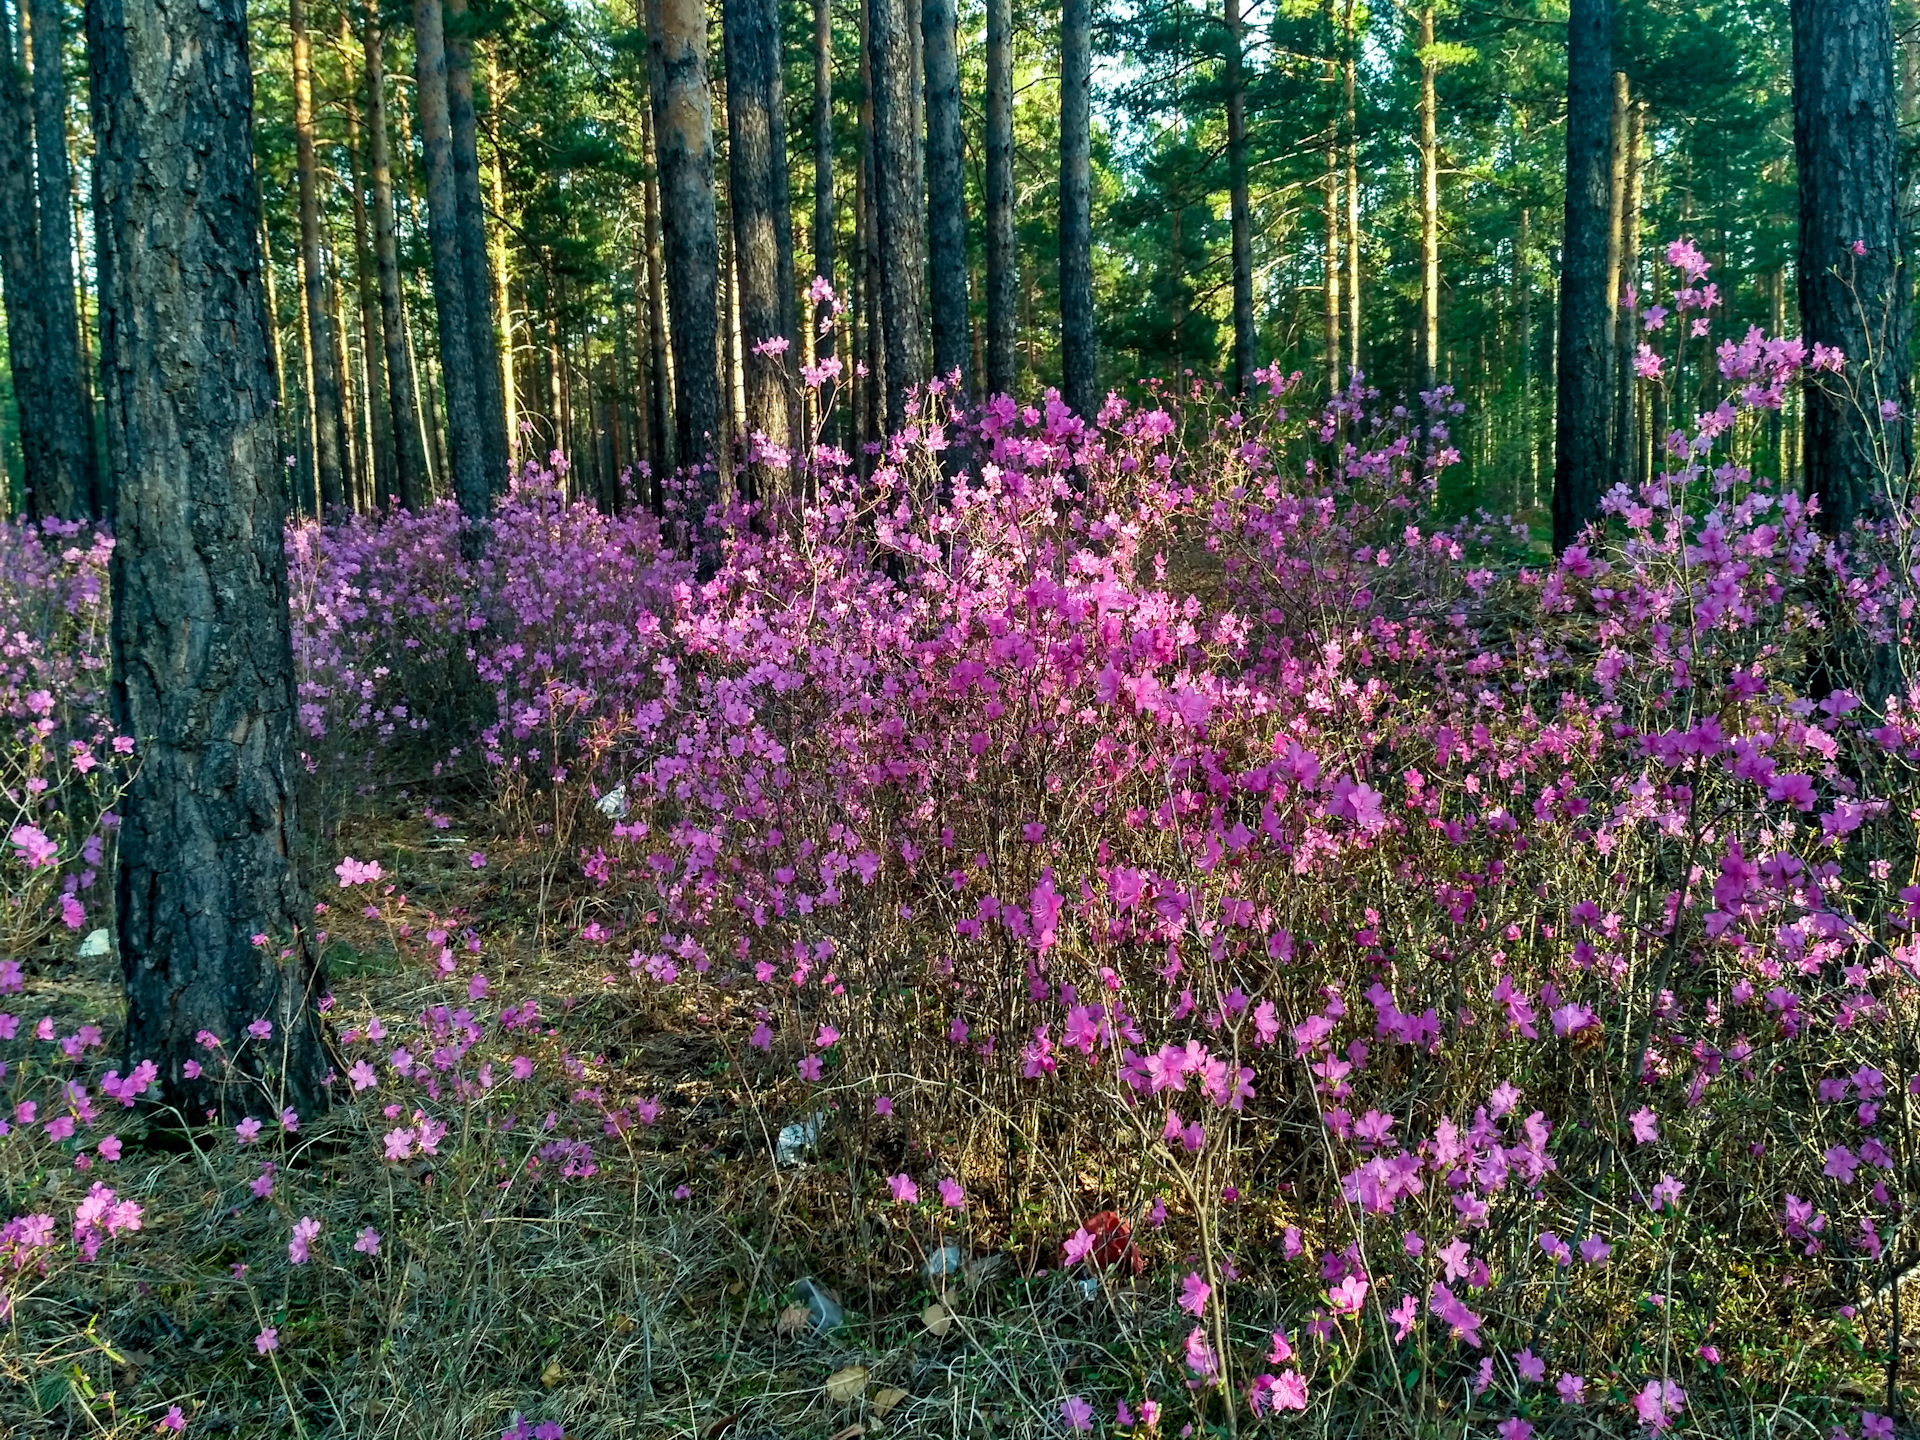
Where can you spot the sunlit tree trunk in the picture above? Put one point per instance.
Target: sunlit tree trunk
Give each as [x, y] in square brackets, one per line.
[683, 136]
[823, 246]
[897, 193]
[756, 150]
[1626, 444]
[1429, 209]
[330, 450]
[203, 668]
[375, 390]
[1353, 193]
[663, 410]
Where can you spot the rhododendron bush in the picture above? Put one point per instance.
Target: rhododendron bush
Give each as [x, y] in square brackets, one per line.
[1343, 969]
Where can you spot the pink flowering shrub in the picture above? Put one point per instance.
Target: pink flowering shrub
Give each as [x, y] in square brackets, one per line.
[62, 767]
[1339, 962]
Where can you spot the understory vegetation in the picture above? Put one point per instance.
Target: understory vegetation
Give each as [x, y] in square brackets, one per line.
[1125, 927]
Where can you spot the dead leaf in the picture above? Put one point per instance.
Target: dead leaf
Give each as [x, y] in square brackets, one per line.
[793, 1321]
[720, 1427]
[885, 1400]
[938, 1320]
[848, 1385]
[852, 1430]
[552, 1375]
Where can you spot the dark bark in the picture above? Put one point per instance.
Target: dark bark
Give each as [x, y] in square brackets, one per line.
[409, 454]
[329, 432]
[69, 419]
[757, 162]
[1239, 206]
[1583, 391]
[1845, 141]
[466, 449]
[52, 487]
[895, 170]
[203, 669]
[946, 198]
[1626, 440]
[483, 336]
[1079, 365]
[1003, 249]
[683, 137]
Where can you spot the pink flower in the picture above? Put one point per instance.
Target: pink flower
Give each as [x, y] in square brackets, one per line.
[810, 1068]
[1514, 1428]
[361, 1076]
[247, 1131]
[1572, 1389]
[951, 1194]
[883, 1105]
[1347, 1297]
[305, 1231]
[1193, 1295]
[367, 1242]
[905, 1192]
[35, 849]
[1646, 1126]
[399, 1144]
[357, 872]
[174, 1420]
[267, 1339]
[1658, 1402]
[1077, 1413]
[1079, 1245]
[477, 860]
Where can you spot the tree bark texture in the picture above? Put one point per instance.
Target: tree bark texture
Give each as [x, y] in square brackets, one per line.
[366, 280]
[203, 669]
[70, 420]
[823, 246]
[1331, 259]
[53, 486]
[683, 137]
[898, 210]
[657, 316]
[483, 336]
[946, 197]
[467, 450]
[1003, 249]
[1353, 192]
[756, 149]
[329, 431]
[1429, 209]
[1852, 294]
[409, 453]
[1616, 206]
[1239, 205]
[1582, 407]
[1626, 444]
[1079, 364]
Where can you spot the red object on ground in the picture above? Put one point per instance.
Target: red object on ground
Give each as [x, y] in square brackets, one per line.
[1112, 1242]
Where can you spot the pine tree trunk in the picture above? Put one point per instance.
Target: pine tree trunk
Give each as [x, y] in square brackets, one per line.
[946, 198]
[354, 471]
[53, 488]
[895, 169]
[756, 149]
[1353, 193]
[663, 410]
[683, 135]
[203, 673]
[68, 422]
[483, 336]
[1523, 342]
[1616, 220]
[1581, 409]
[409, 454]
[500, 273]
[822, 168]
[1331, 260]
[1853, 294]
[1079, 364]
[329, 432]
[1626, 307]
[1239, 205]
[467, 447]
[1429, 209]
[375, 392]
[1003, 250]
